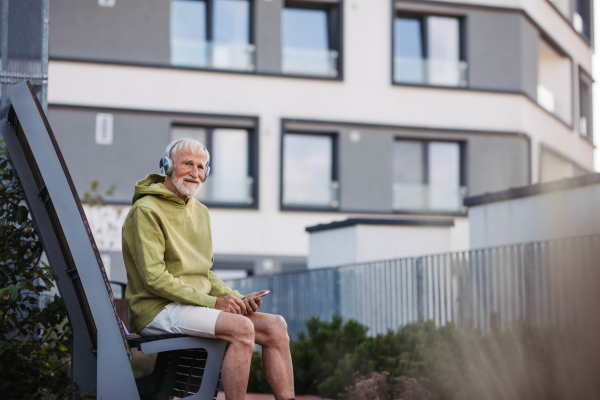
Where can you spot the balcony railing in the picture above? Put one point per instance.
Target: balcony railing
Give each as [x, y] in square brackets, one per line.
[309, 62]
[426, 198]
[232, 56]
[317, 195]
[227, 190]
[420, 71]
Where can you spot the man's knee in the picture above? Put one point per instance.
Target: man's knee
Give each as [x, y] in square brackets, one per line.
[278, 330]
[244, 333]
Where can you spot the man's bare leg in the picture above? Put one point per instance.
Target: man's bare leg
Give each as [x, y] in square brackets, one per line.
[271, 333]
[239, 332]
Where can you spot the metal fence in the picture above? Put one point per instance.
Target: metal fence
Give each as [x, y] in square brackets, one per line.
[23, 48]
[534, 281]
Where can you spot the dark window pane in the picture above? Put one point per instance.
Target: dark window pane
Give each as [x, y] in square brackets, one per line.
[443, 45]
[305, 43]
[231, 21]
[188, 32]
[444, 164]
[408, 50]
[407, 38]
[408, 161]
[307, 170]
[304, 29]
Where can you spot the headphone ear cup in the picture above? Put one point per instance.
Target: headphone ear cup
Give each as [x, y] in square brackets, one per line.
[166, 166]
[206, 173]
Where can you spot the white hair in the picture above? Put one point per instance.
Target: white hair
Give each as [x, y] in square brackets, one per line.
[190, 145]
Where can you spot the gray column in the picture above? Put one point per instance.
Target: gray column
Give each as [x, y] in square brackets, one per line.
[267, 35]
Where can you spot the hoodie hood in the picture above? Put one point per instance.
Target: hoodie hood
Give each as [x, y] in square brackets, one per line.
[154, 184]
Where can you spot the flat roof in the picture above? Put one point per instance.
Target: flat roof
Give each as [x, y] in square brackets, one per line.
[533, 190]
[370, 221]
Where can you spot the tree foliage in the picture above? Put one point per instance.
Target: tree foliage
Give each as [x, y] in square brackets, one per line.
[35, 337]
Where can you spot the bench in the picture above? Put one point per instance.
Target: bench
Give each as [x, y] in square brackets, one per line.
[186, 366]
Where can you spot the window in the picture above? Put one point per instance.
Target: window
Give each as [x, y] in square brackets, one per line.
[585, 105]
[554, 91]
[582, 21]
[309, 173]
[428, 51]
[211, 34]
[231, 181]
[309, 39]
[427, 176]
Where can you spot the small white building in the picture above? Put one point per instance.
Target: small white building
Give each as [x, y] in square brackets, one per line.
[545, 211]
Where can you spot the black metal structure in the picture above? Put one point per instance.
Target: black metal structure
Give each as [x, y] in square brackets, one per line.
[101, 349]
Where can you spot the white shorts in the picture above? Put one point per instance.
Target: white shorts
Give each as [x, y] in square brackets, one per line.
[183, 319]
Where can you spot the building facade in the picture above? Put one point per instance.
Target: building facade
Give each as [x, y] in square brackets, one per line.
[317, 111]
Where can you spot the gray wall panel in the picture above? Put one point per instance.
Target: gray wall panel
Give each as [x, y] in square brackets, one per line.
[496, 163]
[267, 35]
[138, 143]
[529, 41]
[131, 31]
[492, 44]
[365, 171]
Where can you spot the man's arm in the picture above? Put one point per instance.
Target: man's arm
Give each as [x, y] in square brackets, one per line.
[220, 288]
[149, 242]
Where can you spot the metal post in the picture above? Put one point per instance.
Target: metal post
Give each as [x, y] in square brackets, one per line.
[420, 305]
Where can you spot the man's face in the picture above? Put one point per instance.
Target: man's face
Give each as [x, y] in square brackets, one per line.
[188, 172]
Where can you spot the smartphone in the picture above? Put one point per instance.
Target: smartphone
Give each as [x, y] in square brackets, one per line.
[263, 294]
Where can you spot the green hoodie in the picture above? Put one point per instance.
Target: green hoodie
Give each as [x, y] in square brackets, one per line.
[167, 249]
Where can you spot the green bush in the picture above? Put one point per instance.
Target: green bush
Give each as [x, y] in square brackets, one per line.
[35, 339]
[337, 360]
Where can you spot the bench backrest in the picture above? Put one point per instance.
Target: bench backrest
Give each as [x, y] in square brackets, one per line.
[62, 225]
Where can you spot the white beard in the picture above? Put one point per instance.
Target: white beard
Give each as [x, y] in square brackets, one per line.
[186, 189]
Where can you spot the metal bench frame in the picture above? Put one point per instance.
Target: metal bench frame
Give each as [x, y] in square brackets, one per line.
[101, 349]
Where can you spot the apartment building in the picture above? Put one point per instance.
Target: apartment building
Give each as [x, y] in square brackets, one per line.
[317, 111]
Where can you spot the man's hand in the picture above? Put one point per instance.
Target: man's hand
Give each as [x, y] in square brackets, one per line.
[230, 304]
[252, 302]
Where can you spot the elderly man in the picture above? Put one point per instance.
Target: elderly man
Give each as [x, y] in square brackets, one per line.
[167, 248]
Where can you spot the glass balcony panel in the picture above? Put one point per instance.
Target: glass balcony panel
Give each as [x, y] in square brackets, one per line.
[202, 54]
[226, 190]
[309, 62]
[311, 194]
[426, 198]
[435, 72]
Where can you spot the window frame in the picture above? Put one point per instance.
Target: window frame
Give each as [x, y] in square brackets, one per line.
[422, 17]
[253, 160]
[462, 170]
[588, 80]
[209, 33]
[334, 135]
[335, 31]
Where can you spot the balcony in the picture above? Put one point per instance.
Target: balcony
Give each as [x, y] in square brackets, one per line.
[199, 54]
[218, 190]
[434, 72]
[311, 194]
[418, 197]
[298, 61]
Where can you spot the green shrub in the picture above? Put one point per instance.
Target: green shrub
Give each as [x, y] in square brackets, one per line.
[35, 339]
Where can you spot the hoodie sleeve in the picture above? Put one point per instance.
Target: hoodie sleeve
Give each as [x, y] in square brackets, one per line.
[220, 288]
[149, 243]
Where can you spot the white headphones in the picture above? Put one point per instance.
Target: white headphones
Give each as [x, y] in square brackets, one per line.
[166, 164]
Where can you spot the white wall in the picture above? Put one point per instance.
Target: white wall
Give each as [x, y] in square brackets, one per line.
[364, 243]
[574, 212]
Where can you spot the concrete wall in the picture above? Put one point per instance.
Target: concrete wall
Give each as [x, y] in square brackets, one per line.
[363, 243]
[573, 212]
[132, 30]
